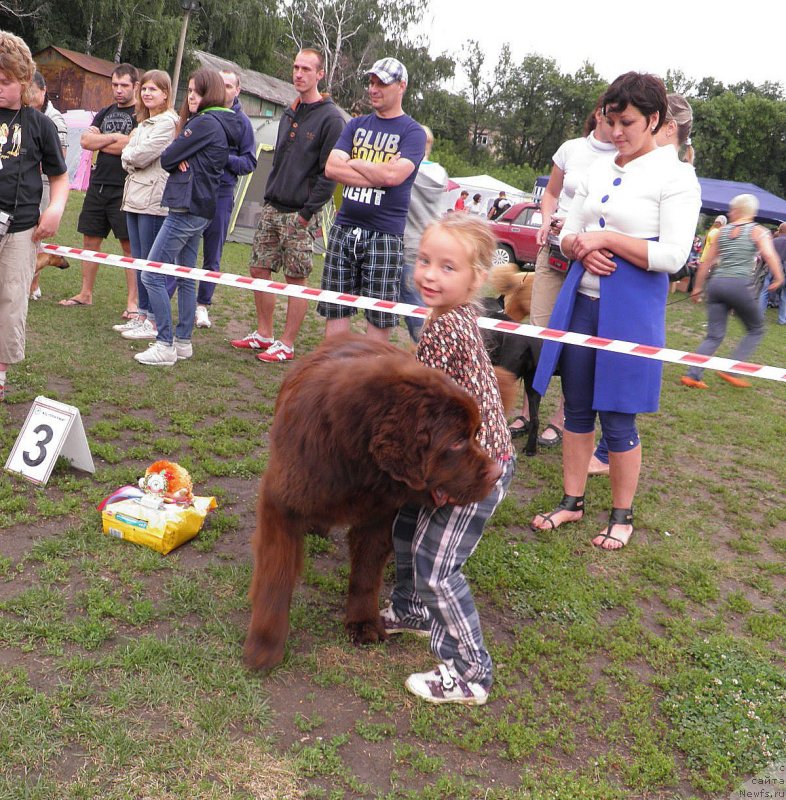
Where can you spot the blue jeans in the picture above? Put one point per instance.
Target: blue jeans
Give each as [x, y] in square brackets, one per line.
[766, 296]
[142, 232]
[177, 243]
[213, 239]
[409, 293]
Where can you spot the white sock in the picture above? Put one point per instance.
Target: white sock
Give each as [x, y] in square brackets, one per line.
[2, 378]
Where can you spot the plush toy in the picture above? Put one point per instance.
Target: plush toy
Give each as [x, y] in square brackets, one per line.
[516, 287]
[168, 482]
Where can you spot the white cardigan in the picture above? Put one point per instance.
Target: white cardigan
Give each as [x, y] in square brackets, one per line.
[655, 196]
[141, 159]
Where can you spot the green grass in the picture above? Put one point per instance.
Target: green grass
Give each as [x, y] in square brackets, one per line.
[656, 672]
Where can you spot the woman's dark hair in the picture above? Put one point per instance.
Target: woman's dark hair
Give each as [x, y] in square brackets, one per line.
[476, 198]
[209, 85]
[641, 90]
[40, 82]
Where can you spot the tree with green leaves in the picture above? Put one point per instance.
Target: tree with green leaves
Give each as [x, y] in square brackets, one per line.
[352, 35]
[741, 138]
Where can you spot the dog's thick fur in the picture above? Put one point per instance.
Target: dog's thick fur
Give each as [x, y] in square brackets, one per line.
[360, 429]
[515, 287]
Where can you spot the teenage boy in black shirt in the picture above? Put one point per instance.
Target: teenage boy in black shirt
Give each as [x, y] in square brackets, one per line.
[101, 212]
[28, 145]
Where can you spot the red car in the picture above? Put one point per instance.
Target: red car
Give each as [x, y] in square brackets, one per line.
[516, 230]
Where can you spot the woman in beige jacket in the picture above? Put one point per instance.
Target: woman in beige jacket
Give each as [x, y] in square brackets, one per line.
[145, 184]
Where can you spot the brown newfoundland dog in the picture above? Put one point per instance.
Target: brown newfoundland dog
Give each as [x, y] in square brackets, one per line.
[360, 429]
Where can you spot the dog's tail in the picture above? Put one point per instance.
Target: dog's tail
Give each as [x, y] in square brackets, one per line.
[507, 388]
[505, 278]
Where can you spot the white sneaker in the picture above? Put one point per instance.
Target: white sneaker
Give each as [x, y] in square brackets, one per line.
[395, 624]
[202, 318]
[443, 685]
[184, 350]
[145, 330]
[129, 325]
[158, 355]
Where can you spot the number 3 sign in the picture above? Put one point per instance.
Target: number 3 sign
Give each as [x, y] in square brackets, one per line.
[51, 429]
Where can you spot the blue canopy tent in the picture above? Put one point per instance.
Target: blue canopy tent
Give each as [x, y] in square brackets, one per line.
[716, 194]
[715, 197]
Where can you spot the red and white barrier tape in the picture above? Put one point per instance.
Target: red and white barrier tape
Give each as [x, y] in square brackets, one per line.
[564, 337]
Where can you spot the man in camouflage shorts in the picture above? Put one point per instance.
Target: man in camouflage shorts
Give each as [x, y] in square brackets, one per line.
[295, 192]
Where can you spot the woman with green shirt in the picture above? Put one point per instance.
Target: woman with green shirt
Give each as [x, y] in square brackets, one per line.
[731, 287]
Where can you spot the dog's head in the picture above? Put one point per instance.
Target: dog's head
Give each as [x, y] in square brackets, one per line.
[427, 440]
[44, 259]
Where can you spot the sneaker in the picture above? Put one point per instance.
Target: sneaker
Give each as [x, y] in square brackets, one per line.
[277, 351]
[184, 350]
[36, 294]
[158, 355]
[740, 383]
[129, 325]
[443, 685]
[145, 330]
[394, 624]
[686, 380]
[254, 341]
[202, 319]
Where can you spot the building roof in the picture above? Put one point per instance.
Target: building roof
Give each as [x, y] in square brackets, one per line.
[99, 66]
[256, 83]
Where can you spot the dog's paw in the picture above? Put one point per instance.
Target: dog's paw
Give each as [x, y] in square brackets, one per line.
[260, 653]
[366, 631]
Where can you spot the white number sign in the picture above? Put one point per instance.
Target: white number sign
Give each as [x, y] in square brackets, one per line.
[51, 429]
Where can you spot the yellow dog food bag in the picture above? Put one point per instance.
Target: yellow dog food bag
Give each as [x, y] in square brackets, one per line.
[161, 528]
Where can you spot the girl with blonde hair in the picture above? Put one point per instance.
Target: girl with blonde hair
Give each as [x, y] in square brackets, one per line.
[431, 596]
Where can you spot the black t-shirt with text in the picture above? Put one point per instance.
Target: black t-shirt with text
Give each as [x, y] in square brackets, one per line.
[108, 169]
[28, 141]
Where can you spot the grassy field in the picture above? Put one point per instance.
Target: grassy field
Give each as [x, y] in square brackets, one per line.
[656, 672]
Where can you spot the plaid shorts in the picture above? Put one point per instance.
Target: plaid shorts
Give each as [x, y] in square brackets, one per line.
[282, 243]
[366, 263]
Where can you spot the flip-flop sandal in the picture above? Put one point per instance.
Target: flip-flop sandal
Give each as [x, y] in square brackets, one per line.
[129, 314]
[557, 440]
[569, 502]
[618, 516]
[523, 430]
[72, 302]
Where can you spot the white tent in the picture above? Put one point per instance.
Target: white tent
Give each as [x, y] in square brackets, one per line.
[77, 121]
[488, 188]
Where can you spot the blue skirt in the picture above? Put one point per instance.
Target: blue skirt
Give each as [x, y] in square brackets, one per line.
[632, 308]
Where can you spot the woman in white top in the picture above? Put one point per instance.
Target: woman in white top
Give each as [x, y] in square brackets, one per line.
[631, 224]
[141, 157]
[571, 162]
[476, 206]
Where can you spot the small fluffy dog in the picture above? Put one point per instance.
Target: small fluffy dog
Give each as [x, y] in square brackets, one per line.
[515, 353]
